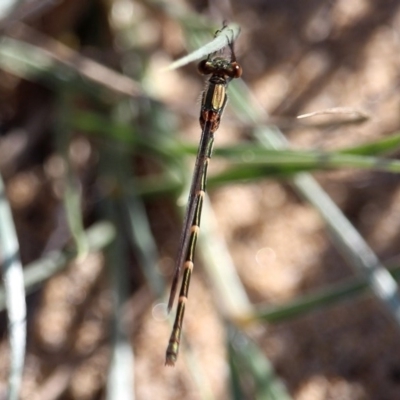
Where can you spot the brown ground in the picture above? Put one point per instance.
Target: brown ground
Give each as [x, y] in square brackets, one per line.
[297, 57]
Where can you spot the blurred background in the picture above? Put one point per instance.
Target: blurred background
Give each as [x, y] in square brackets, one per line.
[97, 147]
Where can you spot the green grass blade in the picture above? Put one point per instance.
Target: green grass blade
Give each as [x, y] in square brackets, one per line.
[72, 193]
[120, 384]
[301, 160]
[388, 144]
[308, 303]
[251, 362]
[143, 241]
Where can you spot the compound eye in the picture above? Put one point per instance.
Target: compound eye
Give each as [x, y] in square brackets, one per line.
[237, 70]
[205, 67]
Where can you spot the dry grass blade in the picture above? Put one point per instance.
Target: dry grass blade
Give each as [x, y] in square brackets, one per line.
[354, 112]
[222, 38]
[14, 295]
[52, 53]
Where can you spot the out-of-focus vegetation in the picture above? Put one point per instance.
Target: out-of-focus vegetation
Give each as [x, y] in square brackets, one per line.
[96, 149]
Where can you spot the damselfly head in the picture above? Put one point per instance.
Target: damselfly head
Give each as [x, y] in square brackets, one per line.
[220, 66]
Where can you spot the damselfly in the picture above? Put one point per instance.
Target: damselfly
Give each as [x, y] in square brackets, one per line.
[222, 70]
